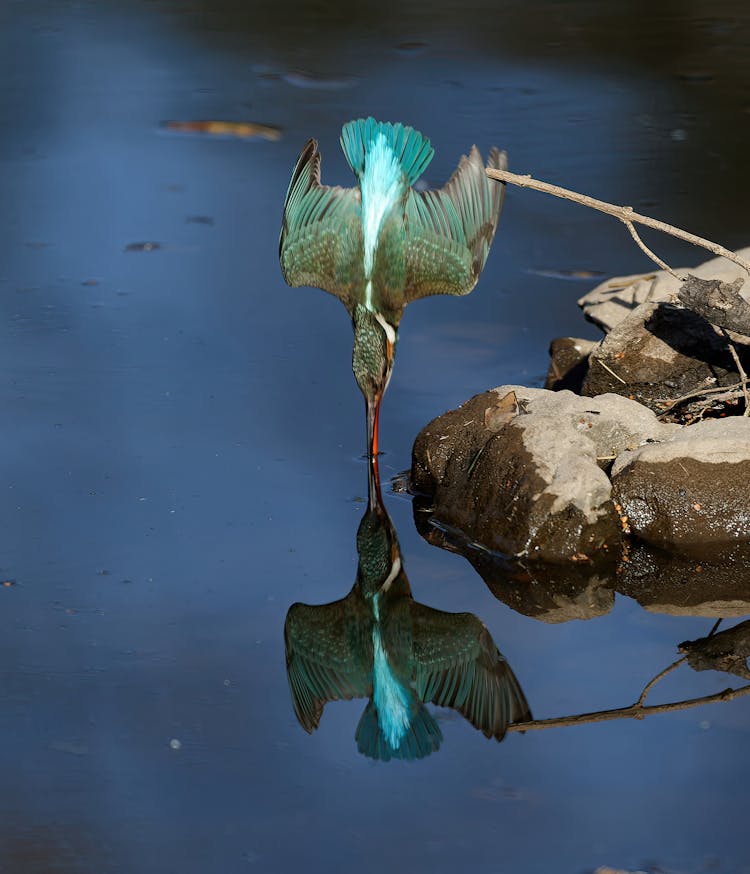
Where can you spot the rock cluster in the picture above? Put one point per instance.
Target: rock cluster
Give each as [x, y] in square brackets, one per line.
[567, 478]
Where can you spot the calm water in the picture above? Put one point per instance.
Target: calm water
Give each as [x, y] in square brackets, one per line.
[182, 434]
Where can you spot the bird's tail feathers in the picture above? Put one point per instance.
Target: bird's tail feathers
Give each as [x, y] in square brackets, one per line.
[421, 738]
[412, 149]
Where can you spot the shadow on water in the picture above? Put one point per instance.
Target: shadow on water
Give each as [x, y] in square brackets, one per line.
[380, 643]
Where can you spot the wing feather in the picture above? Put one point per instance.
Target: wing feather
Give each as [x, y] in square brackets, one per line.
[321, 233]
[450, 230]
[459, 666]
[326, 657]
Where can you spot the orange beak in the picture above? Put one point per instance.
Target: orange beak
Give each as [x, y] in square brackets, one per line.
[373, 419]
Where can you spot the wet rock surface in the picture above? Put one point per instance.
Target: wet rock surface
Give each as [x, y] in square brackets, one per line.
[711, 583]
[691, 489]
[533, 483]
[568, 366]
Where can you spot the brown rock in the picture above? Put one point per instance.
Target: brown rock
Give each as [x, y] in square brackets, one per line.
[659, 352]
[693, 489]
[532, 485]
[568, 363]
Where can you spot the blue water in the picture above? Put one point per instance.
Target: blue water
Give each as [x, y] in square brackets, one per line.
[182, 434]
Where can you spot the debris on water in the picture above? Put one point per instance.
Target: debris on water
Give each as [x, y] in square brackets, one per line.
[199, 220]
[411, 47]
[240, 129]
[400, 483]
[566, 273]
[146, 246]
[301, 79]
[175, 744]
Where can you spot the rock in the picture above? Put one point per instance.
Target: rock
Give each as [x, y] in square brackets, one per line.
[691, 489]
[726, 651]
[658, 353]
[568, 363]
[611, 301]
[534, 485]
[721, 303]
[549, 592]
[710, 582]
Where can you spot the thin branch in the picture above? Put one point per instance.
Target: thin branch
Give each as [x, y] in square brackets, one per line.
[655, 258]
[623, 213]
[610, 371]
[697, 393]
[635, 711]
[740, 370]
[651, 683]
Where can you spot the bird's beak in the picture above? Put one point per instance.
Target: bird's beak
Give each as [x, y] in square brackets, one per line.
[373, 416]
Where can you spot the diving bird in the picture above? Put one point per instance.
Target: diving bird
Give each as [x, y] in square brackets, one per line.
[383, 244]
[379, 643]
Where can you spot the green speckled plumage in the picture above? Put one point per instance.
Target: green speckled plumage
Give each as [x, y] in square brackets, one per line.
[383, 244]
[448, 659]
[430, 242]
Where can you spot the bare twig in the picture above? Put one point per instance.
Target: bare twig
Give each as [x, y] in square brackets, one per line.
[698, 393]
[624, 213]
[651, 683]
[610, 371]
[635, 711]
[655, 258]
[740, 370]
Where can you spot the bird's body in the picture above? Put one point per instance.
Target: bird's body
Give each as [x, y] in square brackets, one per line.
[383, 244]
[379, 643]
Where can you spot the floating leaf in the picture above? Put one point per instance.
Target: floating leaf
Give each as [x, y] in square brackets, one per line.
[241, 129]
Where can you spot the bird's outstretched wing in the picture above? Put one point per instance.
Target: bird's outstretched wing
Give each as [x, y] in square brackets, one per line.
[459, 666]
[321, 234]
[449, 230]
[327, 653]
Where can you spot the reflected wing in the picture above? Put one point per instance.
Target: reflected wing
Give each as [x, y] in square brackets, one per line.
[450, 230]
[327, 657]
[321, 234]
[459, 666]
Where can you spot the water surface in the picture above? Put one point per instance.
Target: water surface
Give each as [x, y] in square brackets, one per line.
[182, 435]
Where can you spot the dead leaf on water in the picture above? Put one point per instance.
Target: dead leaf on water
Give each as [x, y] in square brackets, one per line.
[566, 273]
[240, 129]
[301, 79]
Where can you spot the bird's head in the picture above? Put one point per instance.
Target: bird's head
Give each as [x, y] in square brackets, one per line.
[372, 358]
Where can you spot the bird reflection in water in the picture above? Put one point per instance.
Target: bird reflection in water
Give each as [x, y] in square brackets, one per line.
[381, 644]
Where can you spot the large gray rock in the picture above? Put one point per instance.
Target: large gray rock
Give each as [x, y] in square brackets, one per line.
[692, 489]
[531, 484]
[612, 300]
[657, 353]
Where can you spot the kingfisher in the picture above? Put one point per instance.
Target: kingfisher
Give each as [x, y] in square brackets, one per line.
[383, 244]
[379, 643]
